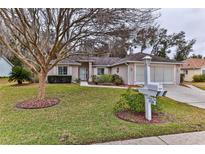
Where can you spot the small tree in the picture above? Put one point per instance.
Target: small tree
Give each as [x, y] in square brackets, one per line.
[20, 75]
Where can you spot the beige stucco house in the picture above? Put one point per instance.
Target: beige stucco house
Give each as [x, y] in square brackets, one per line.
[130, 68]
[191, 67]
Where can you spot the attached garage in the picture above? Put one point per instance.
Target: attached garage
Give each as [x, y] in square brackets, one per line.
[159, 73]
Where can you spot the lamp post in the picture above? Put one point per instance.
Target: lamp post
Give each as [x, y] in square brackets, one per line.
[147, 60]
[148, 105]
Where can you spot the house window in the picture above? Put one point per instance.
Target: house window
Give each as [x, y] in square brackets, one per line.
[186, 71]
[100, 71]
[118, 70]
[62, 70]
[203, 71]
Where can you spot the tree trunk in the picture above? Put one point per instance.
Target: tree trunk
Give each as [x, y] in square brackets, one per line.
[42, 85]
[19, 82]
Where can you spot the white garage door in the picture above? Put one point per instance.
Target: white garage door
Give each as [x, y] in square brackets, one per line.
[162, 74]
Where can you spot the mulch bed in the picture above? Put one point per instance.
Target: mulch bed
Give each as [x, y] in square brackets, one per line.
[38, 104]
[138, 117]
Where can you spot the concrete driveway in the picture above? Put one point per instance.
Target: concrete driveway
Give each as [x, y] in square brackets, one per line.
[190, 95]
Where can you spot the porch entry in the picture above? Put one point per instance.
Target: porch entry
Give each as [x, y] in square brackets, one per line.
[83, 73]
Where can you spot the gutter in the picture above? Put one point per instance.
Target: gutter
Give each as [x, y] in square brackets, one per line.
[170, 63]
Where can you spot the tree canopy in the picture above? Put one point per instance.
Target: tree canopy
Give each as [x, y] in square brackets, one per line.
[41, 38]
[161, 43]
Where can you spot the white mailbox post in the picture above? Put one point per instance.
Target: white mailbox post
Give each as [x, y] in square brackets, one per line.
[150, 90]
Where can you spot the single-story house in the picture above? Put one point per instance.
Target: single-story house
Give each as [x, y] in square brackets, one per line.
[130, 68]
[5, 67]
[191, 67]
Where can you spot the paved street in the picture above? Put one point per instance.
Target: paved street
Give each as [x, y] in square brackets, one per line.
[194, 138]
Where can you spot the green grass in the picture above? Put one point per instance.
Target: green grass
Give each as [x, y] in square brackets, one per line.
[200, 85]
[3, 80]
[85, 115]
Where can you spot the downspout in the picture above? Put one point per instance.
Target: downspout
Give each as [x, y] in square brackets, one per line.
[128, 73]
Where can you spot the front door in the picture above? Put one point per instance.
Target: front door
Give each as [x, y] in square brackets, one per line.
[83, 73]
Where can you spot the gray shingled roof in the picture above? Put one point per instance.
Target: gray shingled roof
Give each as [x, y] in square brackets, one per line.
[140, 56]
[107, 61]
[95, 60]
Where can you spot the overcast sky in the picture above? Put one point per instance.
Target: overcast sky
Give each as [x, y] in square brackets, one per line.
[191, 21]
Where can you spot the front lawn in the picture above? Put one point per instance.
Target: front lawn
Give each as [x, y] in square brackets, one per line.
[3, 80]
[200, 85]
[84, 115]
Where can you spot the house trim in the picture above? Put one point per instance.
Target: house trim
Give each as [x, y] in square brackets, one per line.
[7, 61]
[169, 63]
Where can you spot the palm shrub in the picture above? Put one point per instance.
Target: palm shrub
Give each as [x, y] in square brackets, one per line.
[19, 74]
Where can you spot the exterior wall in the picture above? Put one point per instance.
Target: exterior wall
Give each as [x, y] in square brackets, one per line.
[177, 70]
[126, 71]
[53, 71]
[202, 69]
[191, 73]
[95, 70]
[123, 72]
[131, 73]
[75, 74]
[5, 68]
[72, 70]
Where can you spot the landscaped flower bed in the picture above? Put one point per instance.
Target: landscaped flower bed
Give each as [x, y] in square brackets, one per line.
[38, 104]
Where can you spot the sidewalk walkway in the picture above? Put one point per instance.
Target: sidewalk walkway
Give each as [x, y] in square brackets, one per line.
[194, 138]
[102, 86]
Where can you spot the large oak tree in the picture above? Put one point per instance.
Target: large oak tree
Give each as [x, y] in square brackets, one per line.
[41, 38]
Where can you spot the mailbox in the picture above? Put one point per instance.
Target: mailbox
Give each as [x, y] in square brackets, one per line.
[155, 86]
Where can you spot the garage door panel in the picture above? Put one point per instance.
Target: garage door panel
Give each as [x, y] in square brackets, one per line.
[161, 74]
[152, 71]
[140, 73]
[168, 74]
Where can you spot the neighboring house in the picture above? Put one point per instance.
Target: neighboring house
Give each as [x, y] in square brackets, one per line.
[191, 67]
[5, 67]
[131, 68]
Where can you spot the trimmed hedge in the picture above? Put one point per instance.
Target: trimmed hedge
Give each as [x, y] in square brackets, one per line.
[199, 78]
[59, 79]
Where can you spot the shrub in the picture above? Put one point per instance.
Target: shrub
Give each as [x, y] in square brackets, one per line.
[116, 79]
[105, 78]
[95, 79]
[133, 101]
[19, 74]
[77, 80]
[199, 78]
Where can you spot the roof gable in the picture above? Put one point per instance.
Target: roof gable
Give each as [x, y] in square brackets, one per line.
[7, 61]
